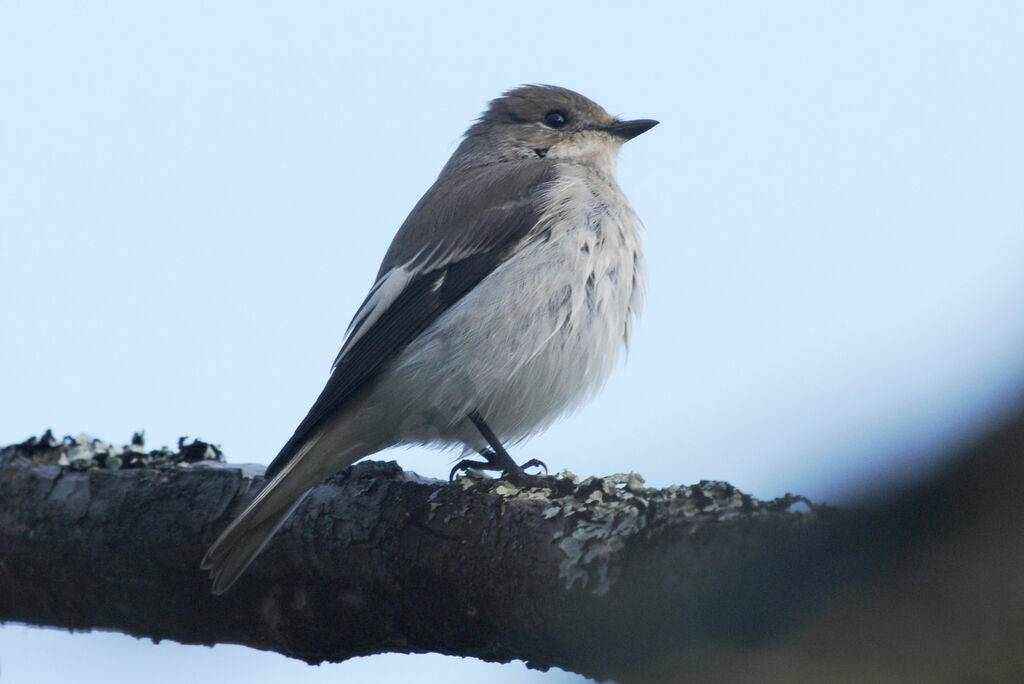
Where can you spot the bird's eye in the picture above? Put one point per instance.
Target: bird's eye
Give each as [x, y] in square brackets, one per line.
[556, 118]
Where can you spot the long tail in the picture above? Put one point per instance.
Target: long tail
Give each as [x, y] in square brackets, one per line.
[244, 538]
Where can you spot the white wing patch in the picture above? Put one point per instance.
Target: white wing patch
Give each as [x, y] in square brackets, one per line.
[383, 293]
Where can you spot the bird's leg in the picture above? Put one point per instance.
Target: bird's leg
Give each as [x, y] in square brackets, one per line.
[498, 459]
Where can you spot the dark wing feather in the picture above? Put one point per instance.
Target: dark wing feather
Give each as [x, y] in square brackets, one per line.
[460, 231]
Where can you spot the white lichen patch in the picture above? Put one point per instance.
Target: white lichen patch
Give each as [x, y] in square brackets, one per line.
[603, 514]
[599, 522]
[506, 490]
[83, 452]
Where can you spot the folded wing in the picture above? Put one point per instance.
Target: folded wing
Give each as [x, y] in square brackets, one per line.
[459, 232]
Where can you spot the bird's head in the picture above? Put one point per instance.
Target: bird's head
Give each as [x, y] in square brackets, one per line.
[541, 121]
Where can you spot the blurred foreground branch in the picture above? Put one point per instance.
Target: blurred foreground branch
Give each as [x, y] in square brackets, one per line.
[605, 577]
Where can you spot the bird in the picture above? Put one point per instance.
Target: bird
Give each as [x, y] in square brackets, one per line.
[504, 301]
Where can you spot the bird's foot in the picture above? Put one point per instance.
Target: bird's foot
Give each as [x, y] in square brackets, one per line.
[516, 474]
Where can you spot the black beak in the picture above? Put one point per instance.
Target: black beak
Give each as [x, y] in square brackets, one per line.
[627, 130]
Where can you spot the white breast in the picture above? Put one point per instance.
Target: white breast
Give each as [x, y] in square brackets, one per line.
[536, 337]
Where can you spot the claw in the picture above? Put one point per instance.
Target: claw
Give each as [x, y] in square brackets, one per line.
[534, 462]
[466, 463]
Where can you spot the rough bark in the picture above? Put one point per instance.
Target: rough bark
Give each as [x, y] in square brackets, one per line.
[604, 577]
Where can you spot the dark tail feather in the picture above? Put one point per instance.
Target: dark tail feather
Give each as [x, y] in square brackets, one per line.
[236, 548]
[241, 542]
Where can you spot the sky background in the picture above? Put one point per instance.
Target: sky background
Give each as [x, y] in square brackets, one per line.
[195, 197]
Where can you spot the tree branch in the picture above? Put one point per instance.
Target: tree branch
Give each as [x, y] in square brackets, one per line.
[604, 577]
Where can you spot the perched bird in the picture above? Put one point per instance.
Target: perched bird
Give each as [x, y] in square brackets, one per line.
[504, 301]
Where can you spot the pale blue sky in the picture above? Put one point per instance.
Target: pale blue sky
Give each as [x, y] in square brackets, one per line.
[194, 199]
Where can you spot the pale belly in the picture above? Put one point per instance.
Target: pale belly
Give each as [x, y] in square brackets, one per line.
[533, 340]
